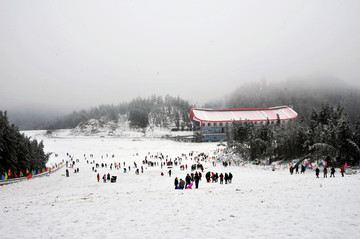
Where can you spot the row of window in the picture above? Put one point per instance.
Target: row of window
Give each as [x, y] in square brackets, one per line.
[210, 138]
[215, 124]
[213, 130]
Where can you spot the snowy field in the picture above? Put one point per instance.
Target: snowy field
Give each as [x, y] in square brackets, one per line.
[259, 203]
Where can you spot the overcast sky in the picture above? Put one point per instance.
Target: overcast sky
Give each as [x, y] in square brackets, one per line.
[75, 54]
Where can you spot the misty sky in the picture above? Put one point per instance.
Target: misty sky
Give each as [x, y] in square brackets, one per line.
[75, 54]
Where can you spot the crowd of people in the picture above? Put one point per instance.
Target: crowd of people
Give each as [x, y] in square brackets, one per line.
[191, 180]
[175, 167]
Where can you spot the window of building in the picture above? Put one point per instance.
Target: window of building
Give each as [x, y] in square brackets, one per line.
[221, 124]
[215, 124]
[203, 124]
[209, 124]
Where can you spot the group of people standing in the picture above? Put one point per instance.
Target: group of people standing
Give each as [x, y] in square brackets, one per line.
[296, 168]
[332, 172]
[317, 171]
[210, 177]
[214, 177]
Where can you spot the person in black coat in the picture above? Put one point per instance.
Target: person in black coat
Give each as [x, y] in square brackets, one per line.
[221, 178]
[176, 182]
[207, 176]
[187, 180]
[226, 178]
[230, 177]
[181, 184]
[332, 172]
[325, 172]
[317, 171]
[197, 179]
[303, 169]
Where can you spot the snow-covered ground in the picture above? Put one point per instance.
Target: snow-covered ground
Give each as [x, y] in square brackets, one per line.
[260, 203]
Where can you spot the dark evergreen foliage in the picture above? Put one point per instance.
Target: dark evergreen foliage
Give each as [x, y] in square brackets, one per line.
[139, 110]
[17, 151]
[329, 136]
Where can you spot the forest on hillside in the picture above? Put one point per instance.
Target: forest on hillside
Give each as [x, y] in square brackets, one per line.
[141, 112]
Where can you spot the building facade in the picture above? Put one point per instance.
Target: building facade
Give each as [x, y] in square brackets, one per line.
[210, 124]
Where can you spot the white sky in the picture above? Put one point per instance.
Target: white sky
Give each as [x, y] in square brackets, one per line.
[73, 54]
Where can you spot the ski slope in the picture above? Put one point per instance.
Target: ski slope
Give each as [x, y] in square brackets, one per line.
[259, 203]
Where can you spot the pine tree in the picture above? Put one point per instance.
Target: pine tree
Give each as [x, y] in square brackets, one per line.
[18, 152]
[357, 132]
[344, 134]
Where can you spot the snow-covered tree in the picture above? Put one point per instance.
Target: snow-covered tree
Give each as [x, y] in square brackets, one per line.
[329, 136]
[18, 152]
[344, 134]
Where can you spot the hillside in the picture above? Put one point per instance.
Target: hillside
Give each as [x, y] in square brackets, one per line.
[120, 128]
[140, 114]
[151, 117]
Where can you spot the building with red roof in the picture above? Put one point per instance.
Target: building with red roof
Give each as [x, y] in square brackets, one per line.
[210, 124]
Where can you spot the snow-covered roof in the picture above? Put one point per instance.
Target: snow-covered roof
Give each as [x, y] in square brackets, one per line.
[251, 114]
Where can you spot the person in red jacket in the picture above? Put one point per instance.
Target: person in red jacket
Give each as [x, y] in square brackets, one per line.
[98, 177]
[342, 169]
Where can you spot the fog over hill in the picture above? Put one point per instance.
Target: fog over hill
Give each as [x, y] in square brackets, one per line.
[172, 112]
[68, 56]
[303, 96]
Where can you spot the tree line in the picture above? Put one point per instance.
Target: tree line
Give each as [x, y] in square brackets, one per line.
[17, 151]
[302, 96]
[141, 112]
[329, 136]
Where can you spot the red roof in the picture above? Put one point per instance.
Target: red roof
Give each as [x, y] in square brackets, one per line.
[251, 114]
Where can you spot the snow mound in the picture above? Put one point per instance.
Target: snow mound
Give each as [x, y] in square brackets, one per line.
[100, 127]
